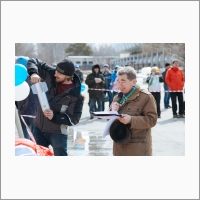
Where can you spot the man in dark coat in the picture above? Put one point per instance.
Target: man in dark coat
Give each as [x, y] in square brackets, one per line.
[95, 81]
[78, 72]
[166, 88]
[65, 101]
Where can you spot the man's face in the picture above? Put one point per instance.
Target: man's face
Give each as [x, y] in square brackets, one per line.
[168, 67]
[76, 68]
[176, 64]
[96, 70]
[125, 85]
[60, 78]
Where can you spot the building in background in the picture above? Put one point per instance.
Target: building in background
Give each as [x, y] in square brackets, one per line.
[86, 62]
[133, 55]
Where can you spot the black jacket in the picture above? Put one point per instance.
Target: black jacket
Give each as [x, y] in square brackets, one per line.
[80, 74]
[163, 75]
[67, 106]
[90, 81]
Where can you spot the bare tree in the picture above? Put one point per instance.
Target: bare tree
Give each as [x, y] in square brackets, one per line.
[51, 52]
[25, 49]
[103, 51]
[176, 50]
[47, 52]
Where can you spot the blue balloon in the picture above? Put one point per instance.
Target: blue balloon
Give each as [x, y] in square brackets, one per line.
[82, 87]
[20, 74]
[22, 60]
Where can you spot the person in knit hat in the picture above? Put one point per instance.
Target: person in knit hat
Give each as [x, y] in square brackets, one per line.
[65, 101]
[108, 86]
[78, 72]
[154, 81]
[95, 82]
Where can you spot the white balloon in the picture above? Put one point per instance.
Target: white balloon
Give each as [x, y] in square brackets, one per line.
[22, 91]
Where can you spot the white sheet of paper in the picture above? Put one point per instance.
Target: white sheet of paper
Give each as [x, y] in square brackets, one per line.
[106, 115]
[107, 128]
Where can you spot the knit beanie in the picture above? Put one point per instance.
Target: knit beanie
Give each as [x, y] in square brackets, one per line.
[106, 65]
[66, 67]
[153, 68]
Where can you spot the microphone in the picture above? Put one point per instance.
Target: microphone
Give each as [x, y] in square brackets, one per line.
[120, 95]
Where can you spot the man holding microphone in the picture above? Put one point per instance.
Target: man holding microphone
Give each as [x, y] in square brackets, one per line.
[139, 115]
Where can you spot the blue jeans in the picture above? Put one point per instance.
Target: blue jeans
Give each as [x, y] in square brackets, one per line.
[57, 140]
[93, 101]
[110, 99]
[166, 96]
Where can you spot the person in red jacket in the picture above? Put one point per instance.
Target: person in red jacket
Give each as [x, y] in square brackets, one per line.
[175, 80]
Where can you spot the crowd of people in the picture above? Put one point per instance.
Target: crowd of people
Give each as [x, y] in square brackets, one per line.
[139, 108]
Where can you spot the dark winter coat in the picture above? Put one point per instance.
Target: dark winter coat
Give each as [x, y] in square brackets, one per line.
[107, 77]
[67, 106]
[90, 81]
[141, 106]
[163, 75]
[80, 74]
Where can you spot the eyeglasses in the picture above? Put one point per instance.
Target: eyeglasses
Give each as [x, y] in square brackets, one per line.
[123, 81]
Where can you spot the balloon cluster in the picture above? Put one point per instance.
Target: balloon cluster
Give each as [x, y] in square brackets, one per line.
[22, 88]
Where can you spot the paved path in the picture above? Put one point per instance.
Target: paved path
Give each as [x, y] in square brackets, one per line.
[85, 138]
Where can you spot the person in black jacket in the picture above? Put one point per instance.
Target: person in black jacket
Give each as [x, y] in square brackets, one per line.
[166, 88]
[95, 80]
[107, 77]
[78, 72]
[65, 101]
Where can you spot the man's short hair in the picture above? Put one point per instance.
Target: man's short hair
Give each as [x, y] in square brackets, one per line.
[167, 64]
[129, 71]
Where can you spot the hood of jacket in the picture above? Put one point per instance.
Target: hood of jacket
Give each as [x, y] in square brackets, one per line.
[96, 66]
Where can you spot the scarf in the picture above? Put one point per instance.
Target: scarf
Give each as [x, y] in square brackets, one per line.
[129, 94]
[151, 81]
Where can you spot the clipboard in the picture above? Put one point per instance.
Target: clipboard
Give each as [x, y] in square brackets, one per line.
[106, 115]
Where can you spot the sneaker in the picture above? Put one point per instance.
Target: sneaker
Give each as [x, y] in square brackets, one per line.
[159, 116]
[169, 106]
[175, 116]
[99, 118]
[166, 107]
[91, 117]
[181, 116]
